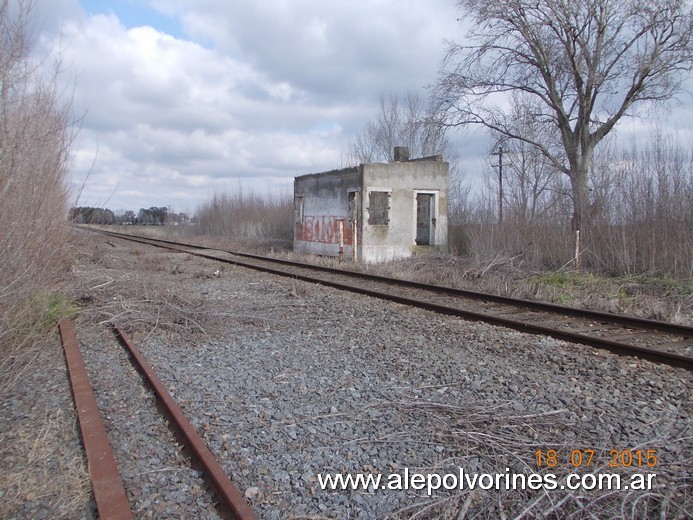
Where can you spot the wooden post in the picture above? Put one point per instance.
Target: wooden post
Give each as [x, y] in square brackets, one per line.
[355, 226]
[341, 240]
[577, 249]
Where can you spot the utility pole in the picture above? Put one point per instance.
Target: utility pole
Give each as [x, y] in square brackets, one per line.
[499, 153]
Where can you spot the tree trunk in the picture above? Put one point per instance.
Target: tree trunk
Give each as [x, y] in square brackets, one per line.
[581, 199]
[580, 156]
[580, 166]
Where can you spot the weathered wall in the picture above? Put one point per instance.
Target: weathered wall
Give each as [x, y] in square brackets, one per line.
[404, 180]
[325, 202]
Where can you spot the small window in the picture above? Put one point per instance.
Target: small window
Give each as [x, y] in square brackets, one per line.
[298, 209]
[379, 208]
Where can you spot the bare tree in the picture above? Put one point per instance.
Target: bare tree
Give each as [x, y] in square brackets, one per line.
[531, 188]
[580, 65]
[409, 122]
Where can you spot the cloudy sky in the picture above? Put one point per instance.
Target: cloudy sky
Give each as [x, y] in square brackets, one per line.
[182, 98]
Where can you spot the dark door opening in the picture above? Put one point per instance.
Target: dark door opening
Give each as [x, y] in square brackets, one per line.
[353, 222]
[424, 219]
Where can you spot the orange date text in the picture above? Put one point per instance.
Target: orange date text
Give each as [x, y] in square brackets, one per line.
[585, 458]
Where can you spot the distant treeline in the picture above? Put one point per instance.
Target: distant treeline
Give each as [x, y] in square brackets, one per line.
[154, 216]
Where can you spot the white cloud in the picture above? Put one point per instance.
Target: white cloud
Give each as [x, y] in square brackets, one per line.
[343, 49]
[163, 110]
[247, 92]
[258, 91]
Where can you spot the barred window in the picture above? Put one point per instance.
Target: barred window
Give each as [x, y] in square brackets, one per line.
[379, 208]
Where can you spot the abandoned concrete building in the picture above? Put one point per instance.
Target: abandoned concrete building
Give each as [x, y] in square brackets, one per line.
[374, 212]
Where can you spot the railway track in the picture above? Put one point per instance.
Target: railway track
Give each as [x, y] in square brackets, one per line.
[656, 341]
[109, 492]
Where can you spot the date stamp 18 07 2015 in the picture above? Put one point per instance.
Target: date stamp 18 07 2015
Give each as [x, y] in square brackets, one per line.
[585, 458]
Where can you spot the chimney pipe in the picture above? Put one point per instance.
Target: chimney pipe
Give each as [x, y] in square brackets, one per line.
[401, 153]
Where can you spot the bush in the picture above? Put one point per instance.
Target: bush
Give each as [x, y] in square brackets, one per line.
[641, 216]
[247, 215]
[34, 142]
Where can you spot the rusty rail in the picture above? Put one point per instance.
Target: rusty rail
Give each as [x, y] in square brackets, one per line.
[235, 504]
[109, 493]
[651, 354]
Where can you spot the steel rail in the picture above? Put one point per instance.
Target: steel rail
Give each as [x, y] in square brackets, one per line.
[227, 491]
[626, 321]
[658, 356]
[109, 492]
[642, 323]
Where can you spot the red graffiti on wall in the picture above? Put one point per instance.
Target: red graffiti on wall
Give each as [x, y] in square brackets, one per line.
[323, 229]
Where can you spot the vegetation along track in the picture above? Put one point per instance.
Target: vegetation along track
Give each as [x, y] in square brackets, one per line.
[656, 341]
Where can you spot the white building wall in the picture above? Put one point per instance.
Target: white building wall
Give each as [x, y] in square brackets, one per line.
[325, 202]
[404, 180]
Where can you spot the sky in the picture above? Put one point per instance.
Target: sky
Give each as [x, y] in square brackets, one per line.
[179, 99]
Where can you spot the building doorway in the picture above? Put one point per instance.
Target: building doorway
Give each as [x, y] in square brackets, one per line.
[424, 219]
[353, 222]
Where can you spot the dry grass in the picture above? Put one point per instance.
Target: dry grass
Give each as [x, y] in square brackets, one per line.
[146, 289]
[492, 438]
[655, 297]
[662, 297]
[37, 469]
[44, 473]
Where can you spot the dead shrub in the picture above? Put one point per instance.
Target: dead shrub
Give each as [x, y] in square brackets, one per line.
[641, 216]
[246, 215]
[34, 141]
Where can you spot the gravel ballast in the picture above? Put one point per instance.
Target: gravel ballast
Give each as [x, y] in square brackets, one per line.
[322, 381]
[288, 381]
[158, 478]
